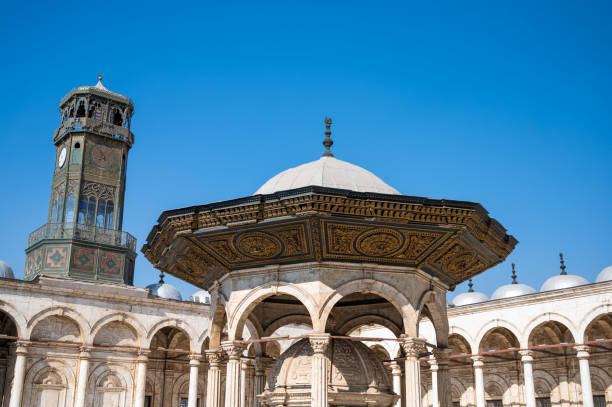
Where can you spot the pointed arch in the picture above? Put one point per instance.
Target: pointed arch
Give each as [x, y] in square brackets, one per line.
[173, 323]
[16, 316]
[543, 318]
[496, 323]
[590, 317]
[388, 292]
[118, 317]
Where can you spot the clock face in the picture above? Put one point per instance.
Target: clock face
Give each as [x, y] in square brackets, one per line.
[62, 158]
[102, 156]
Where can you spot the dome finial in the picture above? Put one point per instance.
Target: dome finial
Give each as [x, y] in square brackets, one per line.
[563, 272]
[328, 142]
[471, 286]
[100, 76]
[514, 275]
[161, 277]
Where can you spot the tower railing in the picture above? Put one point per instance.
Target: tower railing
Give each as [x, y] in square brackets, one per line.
[83, 232]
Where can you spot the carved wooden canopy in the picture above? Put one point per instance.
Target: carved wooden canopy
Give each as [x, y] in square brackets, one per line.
[450, 240]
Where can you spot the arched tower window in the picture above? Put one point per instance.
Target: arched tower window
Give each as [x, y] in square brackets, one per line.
[70, 202]
[117, 118]
[81, 110]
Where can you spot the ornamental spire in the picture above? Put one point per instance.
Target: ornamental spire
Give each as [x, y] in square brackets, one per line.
[471, 286]
[514, 275]
[161, 277]
[562, 266]
[328, 142]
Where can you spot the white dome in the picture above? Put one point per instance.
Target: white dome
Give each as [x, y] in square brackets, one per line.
[327, 172]
[512, 290]
[605, 275]
[164, 290]
[200, 296]
[469, 298]
[563, 281]
[6, 271]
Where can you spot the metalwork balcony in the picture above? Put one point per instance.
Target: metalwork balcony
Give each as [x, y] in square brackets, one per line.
[83, 232]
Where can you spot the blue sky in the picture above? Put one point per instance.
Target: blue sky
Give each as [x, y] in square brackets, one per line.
[506, 104]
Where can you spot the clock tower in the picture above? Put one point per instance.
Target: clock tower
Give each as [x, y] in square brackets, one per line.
[83, 236]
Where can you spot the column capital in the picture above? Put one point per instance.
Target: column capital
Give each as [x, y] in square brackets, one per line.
[583, 351]
[260, 363]
[396, 368]
[526, 356]
[194, 359]
[233, 349]
[319, 342]
[85, 352]
[412, 347]
[214, 357]
[244, 363]
[143, 355]
[478, 361]
[442, 355]
[21, 347]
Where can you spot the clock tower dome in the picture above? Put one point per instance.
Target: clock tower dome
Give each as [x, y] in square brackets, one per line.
[83, 236]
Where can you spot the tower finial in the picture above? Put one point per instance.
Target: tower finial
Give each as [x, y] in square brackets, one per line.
[471, 286]
[328, 142]
[161, 277]
[100, 76]
[563, 272]
[514, 275]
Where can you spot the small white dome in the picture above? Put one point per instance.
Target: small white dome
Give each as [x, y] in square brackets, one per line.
[164, 290]
[469, 298]
[605, 275]
[6, 271]
[327, 172]
[200, 296]
[563, 281]
[512, 290]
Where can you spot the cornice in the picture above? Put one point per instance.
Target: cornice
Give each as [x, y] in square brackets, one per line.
[536, 298]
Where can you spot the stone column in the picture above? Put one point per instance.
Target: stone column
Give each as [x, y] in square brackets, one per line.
[232, 376]
[244, 366]
[479, 380]
[433, 367]
[442, 356]
[585, 375]
[81, 390]
[194, 371]
[259, 380]
[319, 343]
[413, 347]
[213, 382]
[527, 359]
[21, 354]
[141, 378]
[396, 373]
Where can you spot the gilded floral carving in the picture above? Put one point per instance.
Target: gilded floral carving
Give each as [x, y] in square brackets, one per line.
[258, 245]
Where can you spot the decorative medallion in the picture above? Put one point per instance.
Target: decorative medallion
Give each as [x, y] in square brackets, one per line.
[102, 156]
[259, 245]
[379, 242]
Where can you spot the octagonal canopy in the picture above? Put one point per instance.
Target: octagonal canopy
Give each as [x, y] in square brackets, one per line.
[450, 240]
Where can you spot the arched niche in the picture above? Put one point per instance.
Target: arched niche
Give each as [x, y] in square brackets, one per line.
[117, 333]
[57, 328]
[110, 385]
[49, 383]
[180, 391]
